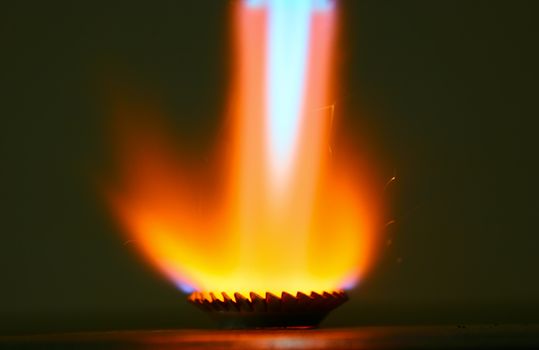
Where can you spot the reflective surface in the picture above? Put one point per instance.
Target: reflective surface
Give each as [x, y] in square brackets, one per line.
[425, 337]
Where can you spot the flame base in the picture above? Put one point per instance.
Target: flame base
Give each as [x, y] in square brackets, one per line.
[255, 311]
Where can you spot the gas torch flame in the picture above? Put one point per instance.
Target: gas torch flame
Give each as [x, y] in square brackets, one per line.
[283, 208]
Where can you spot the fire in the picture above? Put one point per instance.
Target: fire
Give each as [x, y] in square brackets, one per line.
[282, 207]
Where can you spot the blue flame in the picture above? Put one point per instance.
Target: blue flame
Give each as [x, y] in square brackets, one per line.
[287, 64]
[287, 57]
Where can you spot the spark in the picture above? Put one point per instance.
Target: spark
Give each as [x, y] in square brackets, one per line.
[390, 181]
[390, 222]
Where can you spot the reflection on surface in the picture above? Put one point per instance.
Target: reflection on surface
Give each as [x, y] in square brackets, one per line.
[426, 337]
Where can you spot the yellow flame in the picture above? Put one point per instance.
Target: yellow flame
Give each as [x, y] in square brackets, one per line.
[223, 227]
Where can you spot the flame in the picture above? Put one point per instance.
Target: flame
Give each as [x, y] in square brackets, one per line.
[277, 210]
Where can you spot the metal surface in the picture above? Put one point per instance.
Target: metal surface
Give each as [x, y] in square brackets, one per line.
[287, 311]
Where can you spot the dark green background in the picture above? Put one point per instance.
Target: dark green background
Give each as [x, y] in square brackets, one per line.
[447, 89]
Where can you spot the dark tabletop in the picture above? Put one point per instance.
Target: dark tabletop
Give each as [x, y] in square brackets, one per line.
[397, 337]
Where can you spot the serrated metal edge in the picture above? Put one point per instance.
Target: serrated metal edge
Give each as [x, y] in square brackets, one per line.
[287, 302]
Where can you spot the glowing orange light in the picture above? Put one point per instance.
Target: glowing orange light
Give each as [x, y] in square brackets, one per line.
[232, 227]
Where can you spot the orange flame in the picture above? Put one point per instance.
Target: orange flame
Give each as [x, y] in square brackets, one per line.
[227, 227]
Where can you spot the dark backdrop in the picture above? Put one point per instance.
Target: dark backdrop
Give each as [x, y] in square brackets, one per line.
[446, 89]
